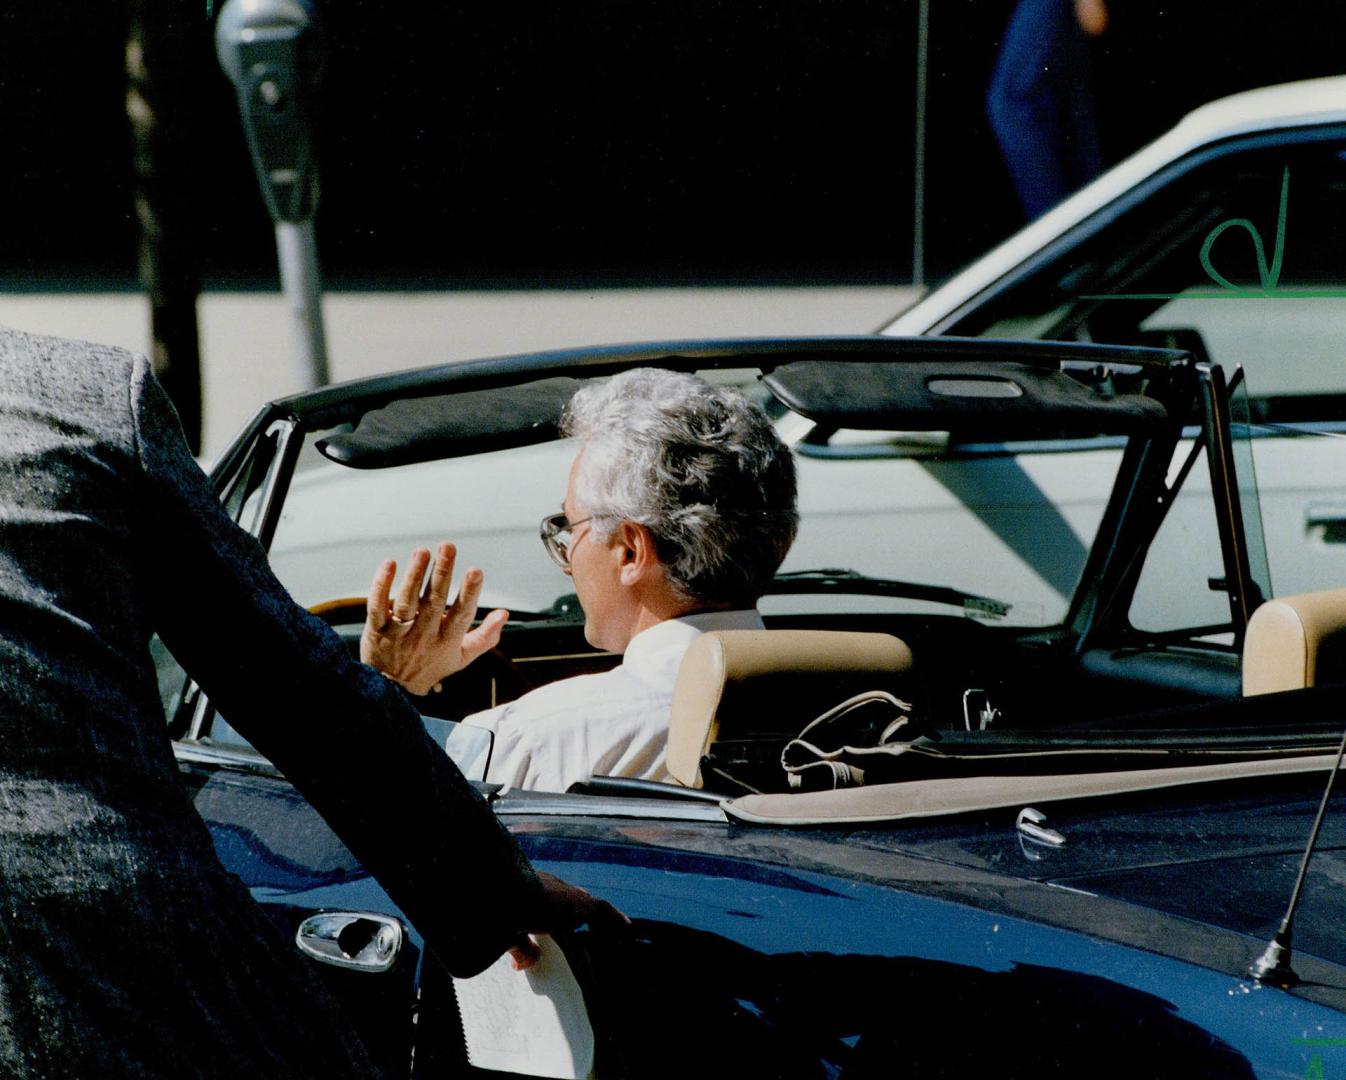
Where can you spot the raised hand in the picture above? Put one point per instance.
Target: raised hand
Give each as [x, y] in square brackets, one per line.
[413, 635]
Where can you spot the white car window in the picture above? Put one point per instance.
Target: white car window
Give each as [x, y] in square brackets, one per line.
[1245, 248]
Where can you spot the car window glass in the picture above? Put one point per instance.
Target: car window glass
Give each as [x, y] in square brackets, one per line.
[1007, 523]
[338, 523]
[1245, 465]
[1245, 248]
[1304, 514]
[169, 675]
[1242, 256]
[1267, 286]
[1174, 590]
[1012, 523]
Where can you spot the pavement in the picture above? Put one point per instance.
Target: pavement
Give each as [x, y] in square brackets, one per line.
[248, 355]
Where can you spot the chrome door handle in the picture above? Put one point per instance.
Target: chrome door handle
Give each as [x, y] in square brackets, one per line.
[355, 940]
[1029, 824]
[1326, 522]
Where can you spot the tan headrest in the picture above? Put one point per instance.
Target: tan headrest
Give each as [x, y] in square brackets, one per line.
[1285, 639]
[728, 658]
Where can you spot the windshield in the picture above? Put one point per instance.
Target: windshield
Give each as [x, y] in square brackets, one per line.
[1005, 522]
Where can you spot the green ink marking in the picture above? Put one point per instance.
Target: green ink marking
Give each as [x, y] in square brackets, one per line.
[1269, 276]
[1222, 294]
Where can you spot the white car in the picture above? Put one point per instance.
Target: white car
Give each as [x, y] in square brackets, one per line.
[1227, 234]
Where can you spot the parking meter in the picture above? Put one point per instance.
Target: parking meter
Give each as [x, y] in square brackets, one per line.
[272, 52]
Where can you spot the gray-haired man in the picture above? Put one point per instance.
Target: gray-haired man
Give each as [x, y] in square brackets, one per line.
[679, 510]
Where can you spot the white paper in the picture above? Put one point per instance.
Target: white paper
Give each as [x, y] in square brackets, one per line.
[530, 1022]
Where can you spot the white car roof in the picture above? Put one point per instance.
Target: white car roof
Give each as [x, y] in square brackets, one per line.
[1299, 104]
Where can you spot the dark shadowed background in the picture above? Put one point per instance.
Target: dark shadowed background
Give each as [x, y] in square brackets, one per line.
[604, 143]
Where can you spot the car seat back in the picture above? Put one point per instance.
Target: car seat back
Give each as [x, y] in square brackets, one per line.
[755, 689]
[1295, 641]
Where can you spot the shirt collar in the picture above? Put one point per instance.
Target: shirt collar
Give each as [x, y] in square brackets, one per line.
[741, 619]
[669, 639]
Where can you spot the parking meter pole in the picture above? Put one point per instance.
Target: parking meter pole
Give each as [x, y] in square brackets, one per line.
[302, 282]
[918, 185]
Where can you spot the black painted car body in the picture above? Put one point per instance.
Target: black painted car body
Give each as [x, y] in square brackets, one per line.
[1108, 930]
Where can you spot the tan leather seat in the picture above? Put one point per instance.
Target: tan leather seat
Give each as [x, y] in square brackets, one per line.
[1295, 641]
[736, 684]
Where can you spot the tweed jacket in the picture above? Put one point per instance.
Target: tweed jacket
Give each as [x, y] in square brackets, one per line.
[125, 948]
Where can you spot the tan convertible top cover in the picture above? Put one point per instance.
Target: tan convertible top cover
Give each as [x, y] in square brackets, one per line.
[962, 795]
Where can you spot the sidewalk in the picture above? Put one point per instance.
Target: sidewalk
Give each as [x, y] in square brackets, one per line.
[248, 356]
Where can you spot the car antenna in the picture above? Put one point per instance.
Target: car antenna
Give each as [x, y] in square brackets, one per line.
[1273, 966]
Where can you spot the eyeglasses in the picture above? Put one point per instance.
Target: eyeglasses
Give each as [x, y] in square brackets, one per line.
[555, 531]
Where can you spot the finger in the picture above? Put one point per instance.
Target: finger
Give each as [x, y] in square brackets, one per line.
[486, 636]
[376, 606]
[604, 916]
[571, 906]
[441, 575]
[406, 603]
[465, 607]
[524, 954]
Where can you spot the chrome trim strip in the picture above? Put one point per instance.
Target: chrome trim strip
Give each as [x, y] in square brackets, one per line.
[527, 804]
[201, 754]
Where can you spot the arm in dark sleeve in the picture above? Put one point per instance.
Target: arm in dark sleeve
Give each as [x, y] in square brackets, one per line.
[348, 739]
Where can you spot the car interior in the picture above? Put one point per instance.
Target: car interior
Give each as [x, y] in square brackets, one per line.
[991, 683]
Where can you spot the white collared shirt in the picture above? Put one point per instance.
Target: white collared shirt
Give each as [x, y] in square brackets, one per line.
[611, 724]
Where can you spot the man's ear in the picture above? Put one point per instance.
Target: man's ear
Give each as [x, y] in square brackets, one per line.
[636, 552]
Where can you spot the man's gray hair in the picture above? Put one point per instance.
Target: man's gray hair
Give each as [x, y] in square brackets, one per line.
[700, 466]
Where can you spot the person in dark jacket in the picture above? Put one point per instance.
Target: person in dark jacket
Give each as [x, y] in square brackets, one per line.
[126, 949]
[1040, 103]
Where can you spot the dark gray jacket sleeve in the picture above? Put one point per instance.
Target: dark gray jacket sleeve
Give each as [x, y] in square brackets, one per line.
[348, 739]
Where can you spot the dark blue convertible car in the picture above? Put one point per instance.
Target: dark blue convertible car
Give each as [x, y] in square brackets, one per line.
[1066, 862]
